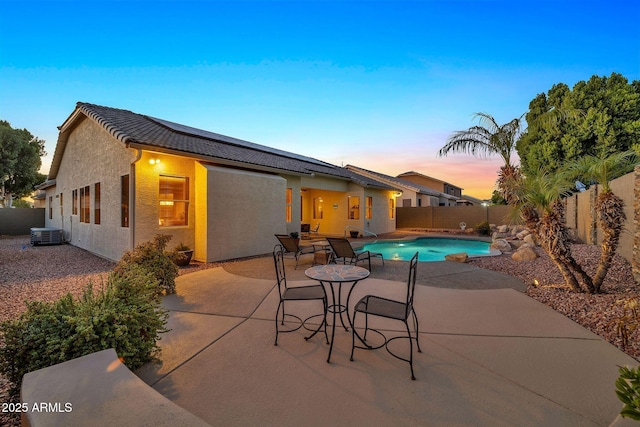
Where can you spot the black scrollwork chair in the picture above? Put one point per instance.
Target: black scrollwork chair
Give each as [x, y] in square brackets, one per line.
[371, 305]
[297, 293]
[291, 246]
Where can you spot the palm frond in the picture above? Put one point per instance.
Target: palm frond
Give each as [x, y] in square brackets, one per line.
[602, 169]
[486, 139]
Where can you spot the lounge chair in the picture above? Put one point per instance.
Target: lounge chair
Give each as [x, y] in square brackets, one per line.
[342, 250]
[291, 246]
[306, 230]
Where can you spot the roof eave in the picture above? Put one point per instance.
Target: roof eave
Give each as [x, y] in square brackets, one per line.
[212, 159]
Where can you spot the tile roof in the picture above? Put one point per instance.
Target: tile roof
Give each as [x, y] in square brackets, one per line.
[399, 182]
[148, 132]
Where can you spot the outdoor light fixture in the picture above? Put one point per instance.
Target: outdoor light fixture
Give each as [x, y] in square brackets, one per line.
[154, 161]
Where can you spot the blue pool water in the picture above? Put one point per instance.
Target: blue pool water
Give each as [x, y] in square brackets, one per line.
[430, 248]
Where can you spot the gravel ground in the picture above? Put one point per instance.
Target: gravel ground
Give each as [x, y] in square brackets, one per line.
[594, 312]
[45, 273]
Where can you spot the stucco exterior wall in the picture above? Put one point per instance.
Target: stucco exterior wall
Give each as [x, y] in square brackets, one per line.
[294, 183]
[92, 156]
[244, 211]
[335, 210]
[201, 213]
[380, 222]
[147, 199]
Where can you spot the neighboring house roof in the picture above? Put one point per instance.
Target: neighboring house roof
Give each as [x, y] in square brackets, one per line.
[473, 200]
[146, 132]
[366, 181]
[48, 183]
[399, 183]
[410, 173]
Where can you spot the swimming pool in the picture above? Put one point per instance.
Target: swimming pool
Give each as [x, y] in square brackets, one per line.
[430, 248]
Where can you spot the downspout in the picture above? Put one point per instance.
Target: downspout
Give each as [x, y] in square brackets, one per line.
[132, 200]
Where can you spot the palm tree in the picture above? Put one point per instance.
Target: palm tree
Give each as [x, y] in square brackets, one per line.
[538, 200]
[609, 208]
[486, 139]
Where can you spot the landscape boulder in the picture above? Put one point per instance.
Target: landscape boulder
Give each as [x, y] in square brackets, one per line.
[502, 245]
[503, 229]
[525, 253]
[496, 236]
[459, 257]
[530, 239]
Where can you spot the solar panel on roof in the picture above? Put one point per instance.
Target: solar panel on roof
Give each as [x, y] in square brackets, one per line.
[229, 140]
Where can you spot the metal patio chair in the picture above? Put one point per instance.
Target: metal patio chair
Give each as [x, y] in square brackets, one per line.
[291, 246]
[372, 305]
[297, 293]
[342, 250]
[306, 230]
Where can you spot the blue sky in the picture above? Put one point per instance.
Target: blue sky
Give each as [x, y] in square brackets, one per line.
[377, 84]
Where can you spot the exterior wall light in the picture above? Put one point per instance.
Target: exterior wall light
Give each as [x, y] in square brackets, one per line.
[154, 161]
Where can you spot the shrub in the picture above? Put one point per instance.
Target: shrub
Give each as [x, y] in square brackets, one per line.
[627, 323]
[151, 256]
[483, 229]
[125, 315]
[628, 391]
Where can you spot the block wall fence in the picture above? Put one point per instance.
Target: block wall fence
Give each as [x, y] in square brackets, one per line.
[580, 217]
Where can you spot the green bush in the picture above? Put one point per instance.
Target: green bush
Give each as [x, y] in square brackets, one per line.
[125, 315]
[628, 391]
[151, 256]
[483, 229]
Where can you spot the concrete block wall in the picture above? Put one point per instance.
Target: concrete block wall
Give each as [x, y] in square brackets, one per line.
[19, 221]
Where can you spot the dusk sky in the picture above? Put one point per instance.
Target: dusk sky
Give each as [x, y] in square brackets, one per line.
[380, 85]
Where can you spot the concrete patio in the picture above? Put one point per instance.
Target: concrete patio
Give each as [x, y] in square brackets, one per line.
[490, 357]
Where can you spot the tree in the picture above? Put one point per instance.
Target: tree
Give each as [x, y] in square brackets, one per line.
[609, 208]
[20, 154]
[609, 121]
[537, 197]
[486, 139]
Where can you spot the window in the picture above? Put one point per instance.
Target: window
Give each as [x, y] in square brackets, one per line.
[368, 213]
[81, 204]
[85, 209]
[317, 208]
[74, 202]
[124, 201]
[50, 207]
[392, 208]
[96, 203]
[61, 206]
[354, 207]
[289, 204]
[174, 201]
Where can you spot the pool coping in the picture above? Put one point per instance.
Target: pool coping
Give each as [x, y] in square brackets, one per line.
[492, 252]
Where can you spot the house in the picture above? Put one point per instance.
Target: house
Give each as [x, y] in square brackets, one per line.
[118, 178]
[471, 201]
[433, 183]
[411, 194]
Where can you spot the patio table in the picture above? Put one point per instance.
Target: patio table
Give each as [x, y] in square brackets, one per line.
[333, 275]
